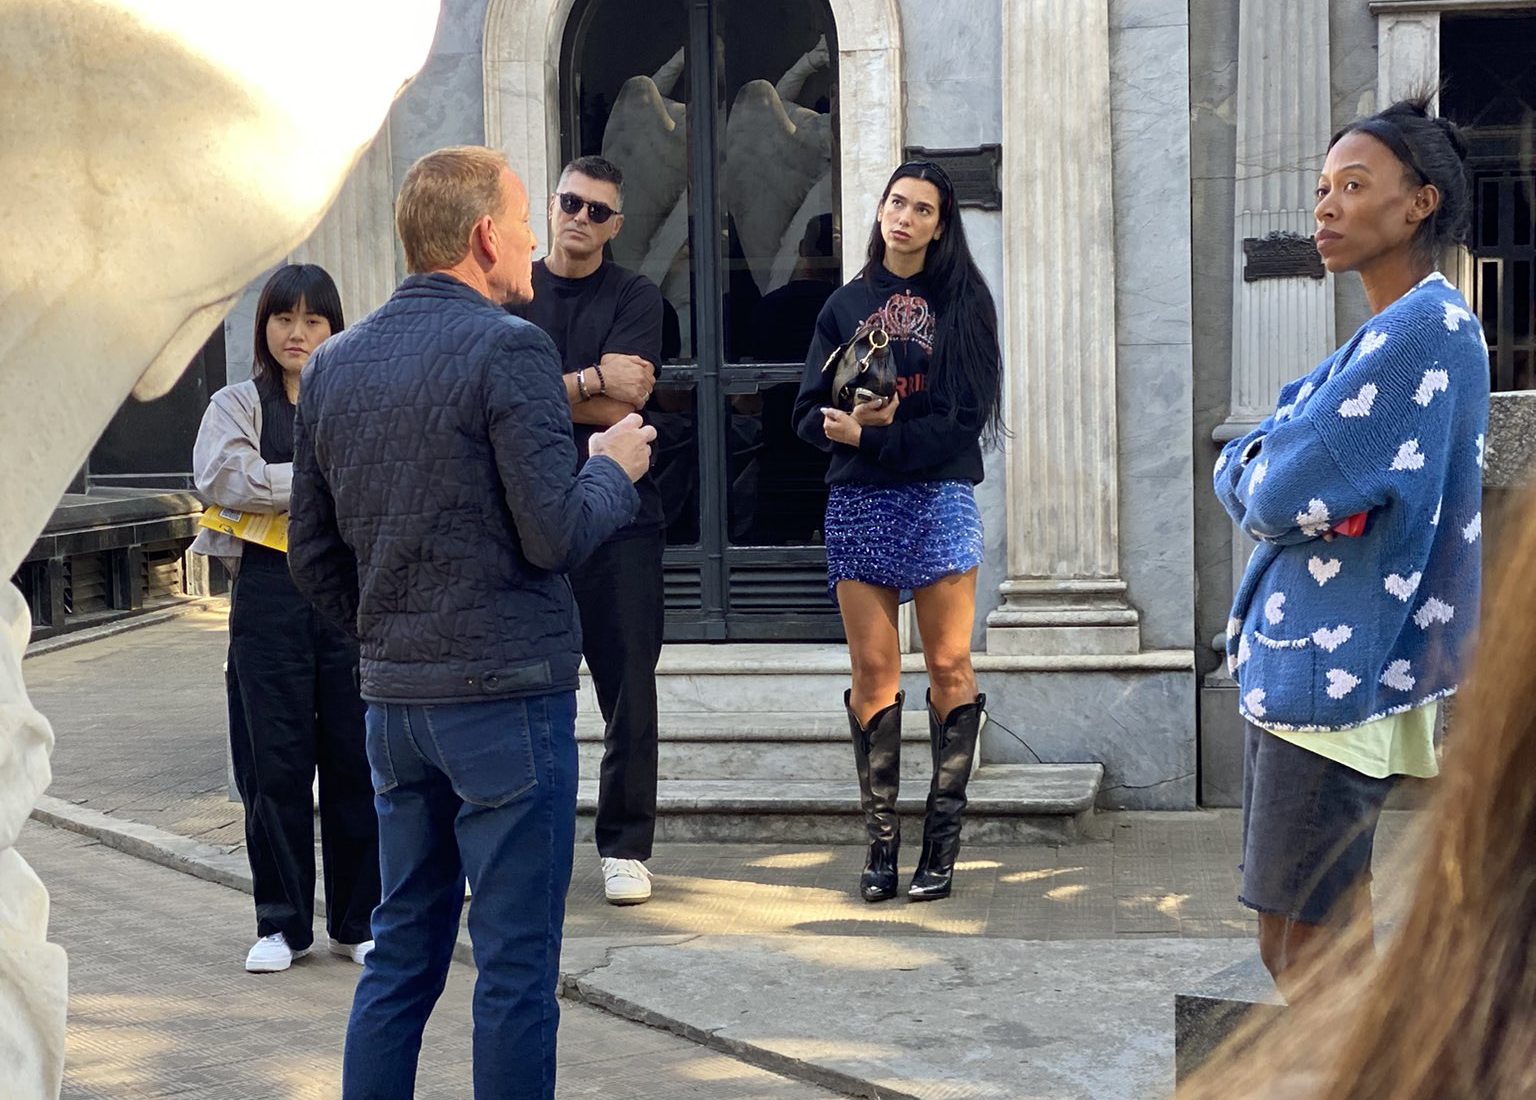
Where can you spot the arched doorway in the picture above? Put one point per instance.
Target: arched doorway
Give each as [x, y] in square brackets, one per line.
[745, 560]
[723, 119]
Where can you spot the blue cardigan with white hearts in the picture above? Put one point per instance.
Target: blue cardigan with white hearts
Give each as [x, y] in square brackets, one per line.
[1329, 633]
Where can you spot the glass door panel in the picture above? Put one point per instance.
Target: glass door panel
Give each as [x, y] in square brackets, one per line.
[722, 117]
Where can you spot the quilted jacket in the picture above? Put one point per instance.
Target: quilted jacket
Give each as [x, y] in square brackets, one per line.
[436, 498]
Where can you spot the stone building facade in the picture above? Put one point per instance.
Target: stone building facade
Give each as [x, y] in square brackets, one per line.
[1140, 142]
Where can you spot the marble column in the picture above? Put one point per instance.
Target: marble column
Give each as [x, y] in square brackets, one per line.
[355, 241]
[1064, 593]
[1282, 327]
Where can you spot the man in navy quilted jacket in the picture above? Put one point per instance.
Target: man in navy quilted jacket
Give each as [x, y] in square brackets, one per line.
[437, 505]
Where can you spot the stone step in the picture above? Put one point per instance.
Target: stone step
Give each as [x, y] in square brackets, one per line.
[767, 746]
[746, 677]
[1008, 804]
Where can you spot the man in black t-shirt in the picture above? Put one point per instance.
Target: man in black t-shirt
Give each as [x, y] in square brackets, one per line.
[607, 324]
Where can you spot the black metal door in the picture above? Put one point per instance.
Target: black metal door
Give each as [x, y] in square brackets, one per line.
[722, 116]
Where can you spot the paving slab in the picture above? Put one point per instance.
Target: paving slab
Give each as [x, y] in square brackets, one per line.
[160, 1005]
[930, 1018]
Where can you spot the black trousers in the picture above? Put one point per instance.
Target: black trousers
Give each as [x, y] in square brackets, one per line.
[619, 592]
[297, 678]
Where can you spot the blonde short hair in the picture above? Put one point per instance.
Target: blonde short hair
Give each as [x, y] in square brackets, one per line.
[444, 194]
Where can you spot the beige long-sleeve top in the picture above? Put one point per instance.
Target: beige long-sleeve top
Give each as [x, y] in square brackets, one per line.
[229, 470]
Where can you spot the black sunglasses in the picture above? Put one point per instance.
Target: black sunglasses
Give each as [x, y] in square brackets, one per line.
[598, 212]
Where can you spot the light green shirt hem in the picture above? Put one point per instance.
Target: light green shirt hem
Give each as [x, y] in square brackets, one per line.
[1400, 744]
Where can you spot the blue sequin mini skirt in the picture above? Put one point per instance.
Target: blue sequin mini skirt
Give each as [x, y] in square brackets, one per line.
[904, 537]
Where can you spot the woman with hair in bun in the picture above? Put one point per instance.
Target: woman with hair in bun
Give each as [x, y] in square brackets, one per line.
[1363, 490]
[902, 521]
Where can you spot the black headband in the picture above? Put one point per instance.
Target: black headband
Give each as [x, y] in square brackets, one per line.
[1390, 136]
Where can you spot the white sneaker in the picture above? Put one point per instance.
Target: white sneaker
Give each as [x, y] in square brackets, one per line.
[271, 954]
[357, 952]
[626, 881]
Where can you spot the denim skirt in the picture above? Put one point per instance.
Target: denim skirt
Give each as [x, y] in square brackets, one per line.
[904, 537]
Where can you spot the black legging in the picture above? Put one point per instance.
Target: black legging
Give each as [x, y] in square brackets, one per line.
[297, 677]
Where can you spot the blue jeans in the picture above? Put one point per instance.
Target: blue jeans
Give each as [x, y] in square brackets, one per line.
[487, 790]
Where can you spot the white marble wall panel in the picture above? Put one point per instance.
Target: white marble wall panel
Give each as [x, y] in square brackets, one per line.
[1139, 725]
[952, 72]
[239, 327]
[1149, 73]
[445, 106]
[984, 232]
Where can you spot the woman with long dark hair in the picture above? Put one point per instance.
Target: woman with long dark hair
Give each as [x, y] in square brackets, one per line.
[902, 520]
[1363, 490]
[293, 680]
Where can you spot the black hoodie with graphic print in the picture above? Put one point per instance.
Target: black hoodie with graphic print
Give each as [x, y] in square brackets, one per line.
[931, 439]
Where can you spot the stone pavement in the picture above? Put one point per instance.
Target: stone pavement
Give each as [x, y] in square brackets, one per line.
[740, 940]
[160, 1007]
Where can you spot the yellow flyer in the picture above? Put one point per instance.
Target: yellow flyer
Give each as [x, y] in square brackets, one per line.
[259, 527]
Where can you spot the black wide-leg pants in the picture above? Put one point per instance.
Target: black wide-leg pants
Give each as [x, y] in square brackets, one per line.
[619, 592]
[298, 682]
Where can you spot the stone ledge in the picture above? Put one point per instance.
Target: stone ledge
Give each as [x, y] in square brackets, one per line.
[734, 727]
[766, 659]
[1511, 443]
[1008, 804]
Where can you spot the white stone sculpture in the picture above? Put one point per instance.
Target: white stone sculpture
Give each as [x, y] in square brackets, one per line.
[157, 155]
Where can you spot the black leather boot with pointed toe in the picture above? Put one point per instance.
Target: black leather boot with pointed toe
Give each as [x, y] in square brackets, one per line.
[953, 742]
[877, 755]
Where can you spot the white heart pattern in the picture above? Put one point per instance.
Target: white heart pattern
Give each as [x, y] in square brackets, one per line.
[1482, 452]
[1314, 521]
[1409, 457]
[1433, 382]
[1360, 404]
[1433, 611]
[1234, 626]
[1221, 462]
[1371, 342]
[1401, 588]
[1304, 393]
[1323, 571]
[1434, 520]
[1341, 683]
[1454, 316]
[1254, 701]
[1331, 638]
[1398, 676]
[1256, 478]
[1274, 609]
[1474, 528]
[1243, 652]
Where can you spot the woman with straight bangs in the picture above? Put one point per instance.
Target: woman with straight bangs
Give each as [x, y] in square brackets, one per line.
[1364, 492]
[901, 520]
[293, 676]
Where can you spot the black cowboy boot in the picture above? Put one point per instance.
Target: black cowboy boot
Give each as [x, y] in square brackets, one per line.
[954, 750]
[877, 754]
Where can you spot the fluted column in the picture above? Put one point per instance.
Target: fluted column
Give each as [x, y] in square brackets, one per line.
[1282, 327]
[355, 241]
[1064, 594]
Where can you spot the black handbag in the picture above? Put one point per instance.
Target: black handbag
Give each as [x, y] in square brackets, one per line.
[862, 369]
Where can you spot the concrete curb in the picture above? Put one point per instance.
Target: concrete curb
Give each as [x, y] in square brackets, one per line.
[580, 959]
[131, 621]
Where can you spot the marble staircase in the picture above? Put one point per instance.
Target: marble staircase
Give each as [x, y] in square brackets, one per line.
[755, 747]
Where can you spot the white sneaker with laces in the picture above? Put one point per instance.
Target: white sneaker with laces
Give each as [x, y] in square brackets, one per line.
[626, 881]
[357, 952]
[271, 954]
